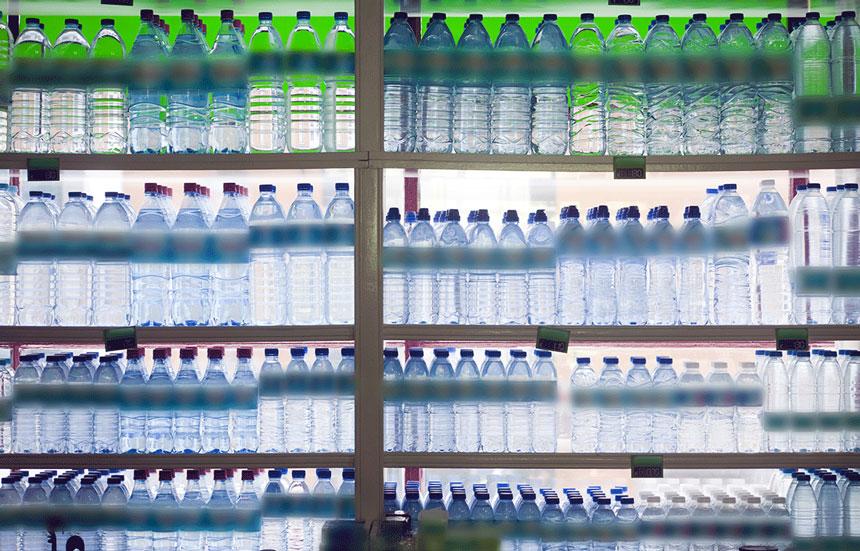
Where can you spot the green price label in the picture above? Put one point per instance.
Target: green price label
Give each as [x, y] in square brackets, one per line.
[628, 168]
[646, 466]
[554, 339]
[792, 338]
[120, 338]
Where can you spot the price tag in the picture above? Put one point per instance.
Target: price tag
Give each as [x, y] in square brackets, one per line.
[118, 2]
[623, 2]
[120, 338]
[628, 168]
[554, 339]
[43, 169]
[792, 338]
[646, 466]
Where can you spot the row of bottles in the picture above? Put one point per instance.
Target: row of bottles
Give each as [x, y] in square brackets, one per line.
[271, 422]
[551, 115]
[268, 113]
[726, 265]
[276, 287]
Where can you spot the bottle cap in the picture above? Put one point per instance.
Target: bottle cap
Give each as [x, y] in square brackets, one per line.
[107, 22]
[229, 187]
[467, 353]
[244, 352]
[247, 475]
[347, 352]
[389, 353]
[662, 18]
[324, 473]
[145, 15]
[134, 353]
[416, 353]
[511, 216]
[267, 188]
[187, 15]
[265, 16]
[320, 351]
[341, 186]
[298, 351]
[226, 15]
[161, 353]
[220, 474]
[165, 475]
[440, 352]
[192, 474]
[586, 17]
[304, 187]
[393, 215]
[550, 17]
[187, 353]
[349, 473]
[271, 352]
[439, 15]
[215, 353]
[303, 14]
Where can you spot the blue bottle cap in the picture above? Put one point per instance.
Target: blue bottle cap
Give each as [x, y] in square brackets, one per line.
[347, 352]
[271, 352]
[416, 353]
[467, 353]
[393, 215]
[264, 188]
[303, 14]
[440, 352]
[583, 360]
[304, 187]
[298, 351]
[389, 353]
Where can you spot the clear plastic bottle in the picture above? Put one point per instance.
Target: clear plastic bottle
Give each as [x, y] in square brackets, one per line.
[550, 113]
[163, 538]
[339, 99]
[775, 128]
[803, 379]
[6, 43]
[601, 271]
[218, 538]
[187, 421]
[6, 394]
[541, 278]
[513, 282]
[544, 414]
[243, 431]
[187, 108]
[770, 228]
[481, 286]
[271, 406]
[692, 270]
[493, 433]
[55, 420]
[151, 281]
[191, 499]
[829, 391]
[701, 97]
[748, 417]
[304, 92]
[665, 419]
[664, 128]
[9, 210]
[467, 414]
[107, 120]
[245, 537]
[214, 425]
[394, 280]
[399, 91]
[35, 283]
[519, 415]
[268, 266]
[416, 415]
[851, 385]
[639, 420]
[323, 410]
[132, 422]
[106, 419]
[340, 259]
[266, 104]
[159, 422]
[846, 239]
[147, 130]
[451, 280]
[139, 499]
[602, 521]
[29, 130]
[74, 277]
[228, 105]
[845, 49]
[812, 81]
[662, 270]
[510, 118]
[731, 267]
[393, 412]
[442, 422]
[570, 268]
[851, 506]
[111, 279]
[272, 529]
[528, 511]
[811, 248]
[738, 113]
[191, 281]
[231, 302]
[434, 120]
[305, 279]
[584, 424]
[298, 529]
[804, 509]
[587, 99]
[472, 96]
[299, 421]
[611, 420]
[34, 494]
[423, 289]
[625, 105]
[720, 418]
[632, 269]
[345, 427]
[777, 399]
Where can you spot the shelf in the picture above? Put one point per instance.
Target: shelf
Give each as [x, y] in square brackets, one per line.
[658, 163]
[682, 335]
[619, 460]
[180, 335]
[275, 161]
[175, 461]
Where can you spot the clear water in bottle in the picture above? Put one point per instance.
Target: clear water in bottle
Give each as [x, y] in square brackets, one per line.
[304, 92]
[67, 105]
[665, 420]
[777, 399]
[518, 415]
[220, 501]
[811, 247]
[26, 423]
[8, 227]
[35, 283]
[639, 420]
[74, 277]
[29, 130]
[481, 285]
[266, 102]
[416, 415]
[339, 98]
[399, 91]
[272, 529]
[394, 280]
[664, 128]
[6, 44]
[720, 418]
[187, 107]
[542, 278]
[467, 414]
[625, 104]
[513, 292]
[159, 422]
[843, 64]
[147, 131]
[340, 258]
[662, 270]
[774, 129]
[803, 507]
[632, 270]
[442, 415]
[611, 421]
[106, 419]
[231, 302]
[81, 416]
[300, 423]
[588, 98]
[247, 537]
[191, 281]
[423, 291]
[738, 94]
[550, 113]
[701, 94]
[748, 416]
[268, 267]
[570, 268]
[132, 423]
[214, 423]
[544, 414]
[271, 407]
[393, 410]
[510, 119]
[228, 105]
[6, 393]
[305, 278]
[472, 96]
[692, 270]
[298, 529]
[345, 422]
[770, 228]
[191, 499]
[492, 419]
[151, 281]
[108, 123]
[55, 420]
[584, 424]
[601, 273]
[603, 520]
[846, 251]
[323, 410]
[111, 281]
[452, 281]
[243, 431]
[731, 267]
[829, 392]
[812, 81]
[434, 128]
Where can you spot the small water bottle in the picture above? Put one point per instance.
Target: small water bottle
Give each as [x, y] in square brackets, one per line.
[510, 126]
[601, 271]
[545, 416]
[434, 119]
[132, 423]
[632, 270]
[692, 270]
[721, 417]
[518, 415]
[339, 99]
[266, 106]
[228, 105]
[6, 395]
[393, 410]
[399, 92]
[55, 427]
[74, 277]
[271, 405]
[466, 414]
[186, 420]
[611, 421]
[662, 282]
[322, 409]
[394, 280]
[298, 421]
[345, 423]
[830, 390]
[305, 280]
[748, 416]
[304, 92]
[151, 281]
[214, 426]
[584, 424]
[513, 285]
[731, 267]
[268, 270]
[776, 399]
[416, 414]
[159, 422]
[481, 284]
[106, 419]
[247, 537]
[422, 287]
[243, 431]
[442, 414]
[340, 258]
[112, 278]
[541, 277]
[639, 421]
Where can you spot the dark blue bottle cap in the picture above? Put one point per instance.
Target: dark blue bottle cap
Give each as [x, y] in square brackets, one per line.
[440, 352]
[633, 212]
[662, 18]
[540, 216]
[341, 15]
[453, 215]
[389, 353]
[298, 351]
[439, 15]
[304, 187]
[392, 215]
[550, 17]
[692, 211]
[416, 353]
[347, 352]
[467, 353]
[265, 16]
[303, 14]
[267, 188]
[423, 215]
[320, 351]
[271, 352]
[341, 186]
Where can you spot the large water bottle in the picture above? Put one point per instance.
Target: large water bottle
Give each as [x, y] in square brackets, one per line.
[472, 96]
[305, 281]
[266, 107]
[665, 419]
[731, 266]
[271, 407]
[804, 509]
[299, 423]
[9, 497]
[811, 247]
[846, 240]
[35, 281]
[6, 43]
[481, 286]
[151, 281]
[68, 104]
[268, 267]
[639, 423]
[467, 414]
[393, 410]
[492, 420]
[26, 420]
[452, 281]
[340, 259]
[81, 417]
[55, 427]
[272, 529]
[510, 125]
[422, 287]
[214, 425]
[132, 423]
[632, 270]
[774, 128]
[442, 423]
[851, 505]
[770, 227]
[570, 268]
[243, 432]
[851, 385]
[692, 271]
[74, 277]
[812, 82]
[776, 399]
[323, 410]
[220, 539]
[230, 283]
[830, 390]
[738, 94]
[107, 120]
[147, 131]
[544, 414]
[228, 105]
[190, 282]
[748, 417]
[298, 529]
[603, 521]
[159, 422]
[9, 210]
[111, 281]
[191, 499]
[339, 100]
[247, 537]
[701, 98]
[513, 285]
[542, 276]
[399, 91]
[528, 511]
[6, 393]
[304, 97]
[434, 116]
[550, 113]
[611, 421]
[625, 107]
[28, 110]
[601, 273]
[664, 128]
[416, 415]
[587, 99]
[830, 509]
[584, 424]
[139, 499]
[662, 266]
[720, 419]
[34, 494]
[106, 419]
[187, 107]
[163, 538]
[843, 64]
[518, 415]
[394, 280]
[345, 422]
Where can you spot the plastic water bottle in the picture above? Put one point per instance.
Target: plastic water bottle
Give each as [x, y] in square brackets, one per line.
[147, 130]
[67, 105]
[731, 268]
[632, 270]
[268, 266]
[518, 415]
[625, 108]
[472, 96]
[770, 227]
[549, 130]
[422, 287]
[266, 104]
[9, 497]
[88, 494]
[588, 98]
[513, 285]
[187, 108]
[639, 424]
[720, 419]
[271, 408]
[600, 283]
[220, 539]
[106, 419]
[830, 509]
[35, 494]
[442, 425]
[151, 281]
[244, 437]
[846, 235]
[481, 286]
[393, 411]
[9, 210]
[247, 537]
[339, 100]
[111, 281]
[851, 384]
[749, 418]
[662, 282]
[829, 391]
[305, 279]
[492, 422]
[191, 499]
[6, 43]
[603, 520]
[230, 282]
[228, 105]
[701, 98]
[544, 415]
[191, 283]
[35, 281]
[843, 65]
[345, 428]
[299, 423]
[542, 278]
[738, 113]
[298, 529]
[570, 268]
[214, 424]
[399, 91]
[304, 98]
[394, 280]
[811, 247]
[510, 124]
[665, 419]
[774, 131]
[28, 110]
[324, 434]
[26, 420]
[107, 120]
[528, 511]
[272, 530]
[74, 277]
[812, 81]
[664, 128]
[6, 393]
[55, 422]
[416, 415]
[163, 538]
[340, 259]
[452, 281]
[692, 270]
[186, 421]
[803, 508]
[611, 421]
[80, 421]
[434, 118]
[776, 399]
[584, 424]
[139, 499]
[467, 414]
[851, 505]
[323, 487]
[159, 422]
[132, 423]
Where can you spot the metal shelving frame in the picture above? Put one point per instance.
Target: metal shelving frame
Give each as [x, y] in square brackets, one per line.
[369, 333]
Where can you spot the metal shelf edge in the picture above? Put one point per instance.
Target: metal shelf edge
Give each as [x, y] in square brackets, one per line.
[177, 461]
